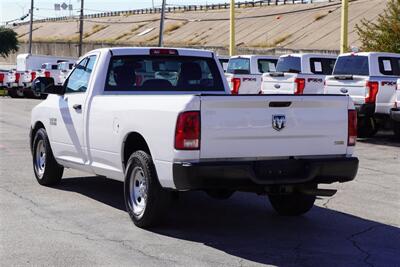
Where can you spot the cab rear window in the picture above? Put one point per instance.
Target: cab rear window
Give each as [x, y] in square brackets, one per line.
[289, 64]
[352, 65]
[266, 65]
[322, 66]
[239, 66]
[163, 73]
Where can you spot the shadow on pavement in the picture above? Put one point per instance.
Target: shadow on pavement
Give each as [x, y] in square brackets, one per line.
[383, 138]
[246, 227]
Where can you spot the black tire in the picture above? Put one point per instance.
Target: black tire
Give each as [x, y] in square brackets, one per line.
[220, 194]
[31, 94]
[49, 173]
[294, 204]
[15, 93]
[367, 127]
[155, 203]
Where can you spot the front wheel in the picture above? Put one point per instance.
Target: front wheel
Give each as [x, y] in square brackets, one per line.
[145, 200]
[294, 204]
[47, 170]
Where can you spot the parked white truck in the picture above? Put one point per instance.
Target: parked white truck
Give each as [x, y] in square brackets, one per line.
[245, 72]
[370, 79]
[27, 69]
[395, 111]
[160, 136]
[299, 74]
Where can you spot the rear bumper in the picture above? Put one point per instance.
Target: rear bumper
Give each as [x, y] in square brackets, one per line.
[253, 174]
[365, 109]
[395, 114]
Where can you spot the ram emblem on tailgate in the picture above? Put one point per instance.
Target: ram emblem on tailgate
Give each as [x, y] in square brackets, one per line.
[278, 122]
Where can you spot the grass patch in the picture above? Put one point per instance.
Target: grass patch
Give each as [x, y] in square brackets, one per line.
[173, 27]
[274, 43]
[320, 16]
[96, 28]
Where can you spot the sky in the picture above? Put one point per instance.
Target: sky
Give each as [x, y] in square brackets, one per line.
[12, 9]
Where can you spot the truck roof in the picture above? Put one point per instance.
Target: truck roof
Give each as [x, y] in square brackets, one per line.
[370, 54]
[256, 56]
[306, 55]
[119, 51]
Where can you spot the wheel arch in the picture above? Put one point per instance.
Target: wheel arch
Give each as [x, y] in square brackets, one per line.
[132, 142]
[38, 125]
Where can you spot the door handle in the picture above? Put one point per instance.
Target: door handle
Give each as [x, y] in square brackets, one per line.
[77, 106]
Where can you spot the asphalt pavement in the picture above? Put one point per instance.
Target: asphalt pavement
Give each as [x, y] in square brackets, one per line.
[82, 222]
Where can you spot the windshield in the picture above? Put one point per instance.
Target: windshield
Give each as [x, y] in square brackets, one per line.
[239, 65]
[163, 73]
[352, 65]
[289, 64]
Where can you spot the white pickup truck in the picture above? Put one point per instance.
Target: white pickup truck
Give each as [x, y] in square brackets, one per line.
[244, 73]
[395, 111]
[159, 136]
[370, 79]
[299, 74]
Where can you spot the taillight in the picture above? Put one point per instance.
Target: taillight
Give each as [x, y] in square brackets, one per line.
[47, 74]
[33, 75]
[300, 84]
[17, 77]
[187, 133]
[352, 128]
[372, 91]
[235, 86]
[1, 77]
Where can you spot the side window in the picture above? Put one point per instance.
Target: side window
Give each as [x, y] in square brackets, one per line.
[389, 66]
[79, 79]
[323, 66]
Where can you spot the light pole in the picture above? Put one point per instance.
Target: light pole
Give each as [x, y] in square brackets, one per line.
[80, 30]
[232, 29]
[160, 40]
[345, 27]
[30, 28]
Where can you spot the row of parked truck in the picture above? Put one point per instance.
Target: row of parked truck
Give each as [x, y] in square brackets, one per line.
[371, 79]
[18, 81]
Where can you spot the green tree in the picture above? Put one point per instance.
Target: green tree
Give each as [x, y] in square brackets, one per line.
[8, 41]
[383, 34]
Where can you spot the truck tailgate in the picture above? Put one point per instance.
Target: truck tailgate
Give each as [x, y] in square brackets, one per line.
[356, 87]
[279, 85]
[243, 126]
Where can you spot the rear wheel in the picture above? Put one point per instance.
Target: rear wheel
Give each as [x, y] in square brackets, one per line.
[145, 200]
[15, 93]
[367, 127]
[293, 204]
[32, 94]
[47, 170]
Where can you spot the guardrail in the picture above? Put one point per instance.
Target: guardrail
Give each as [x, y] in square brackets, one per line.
[184, 8]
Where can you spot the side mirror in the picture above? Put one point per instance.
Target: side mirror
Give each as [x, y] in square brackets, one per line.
[45, 85]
